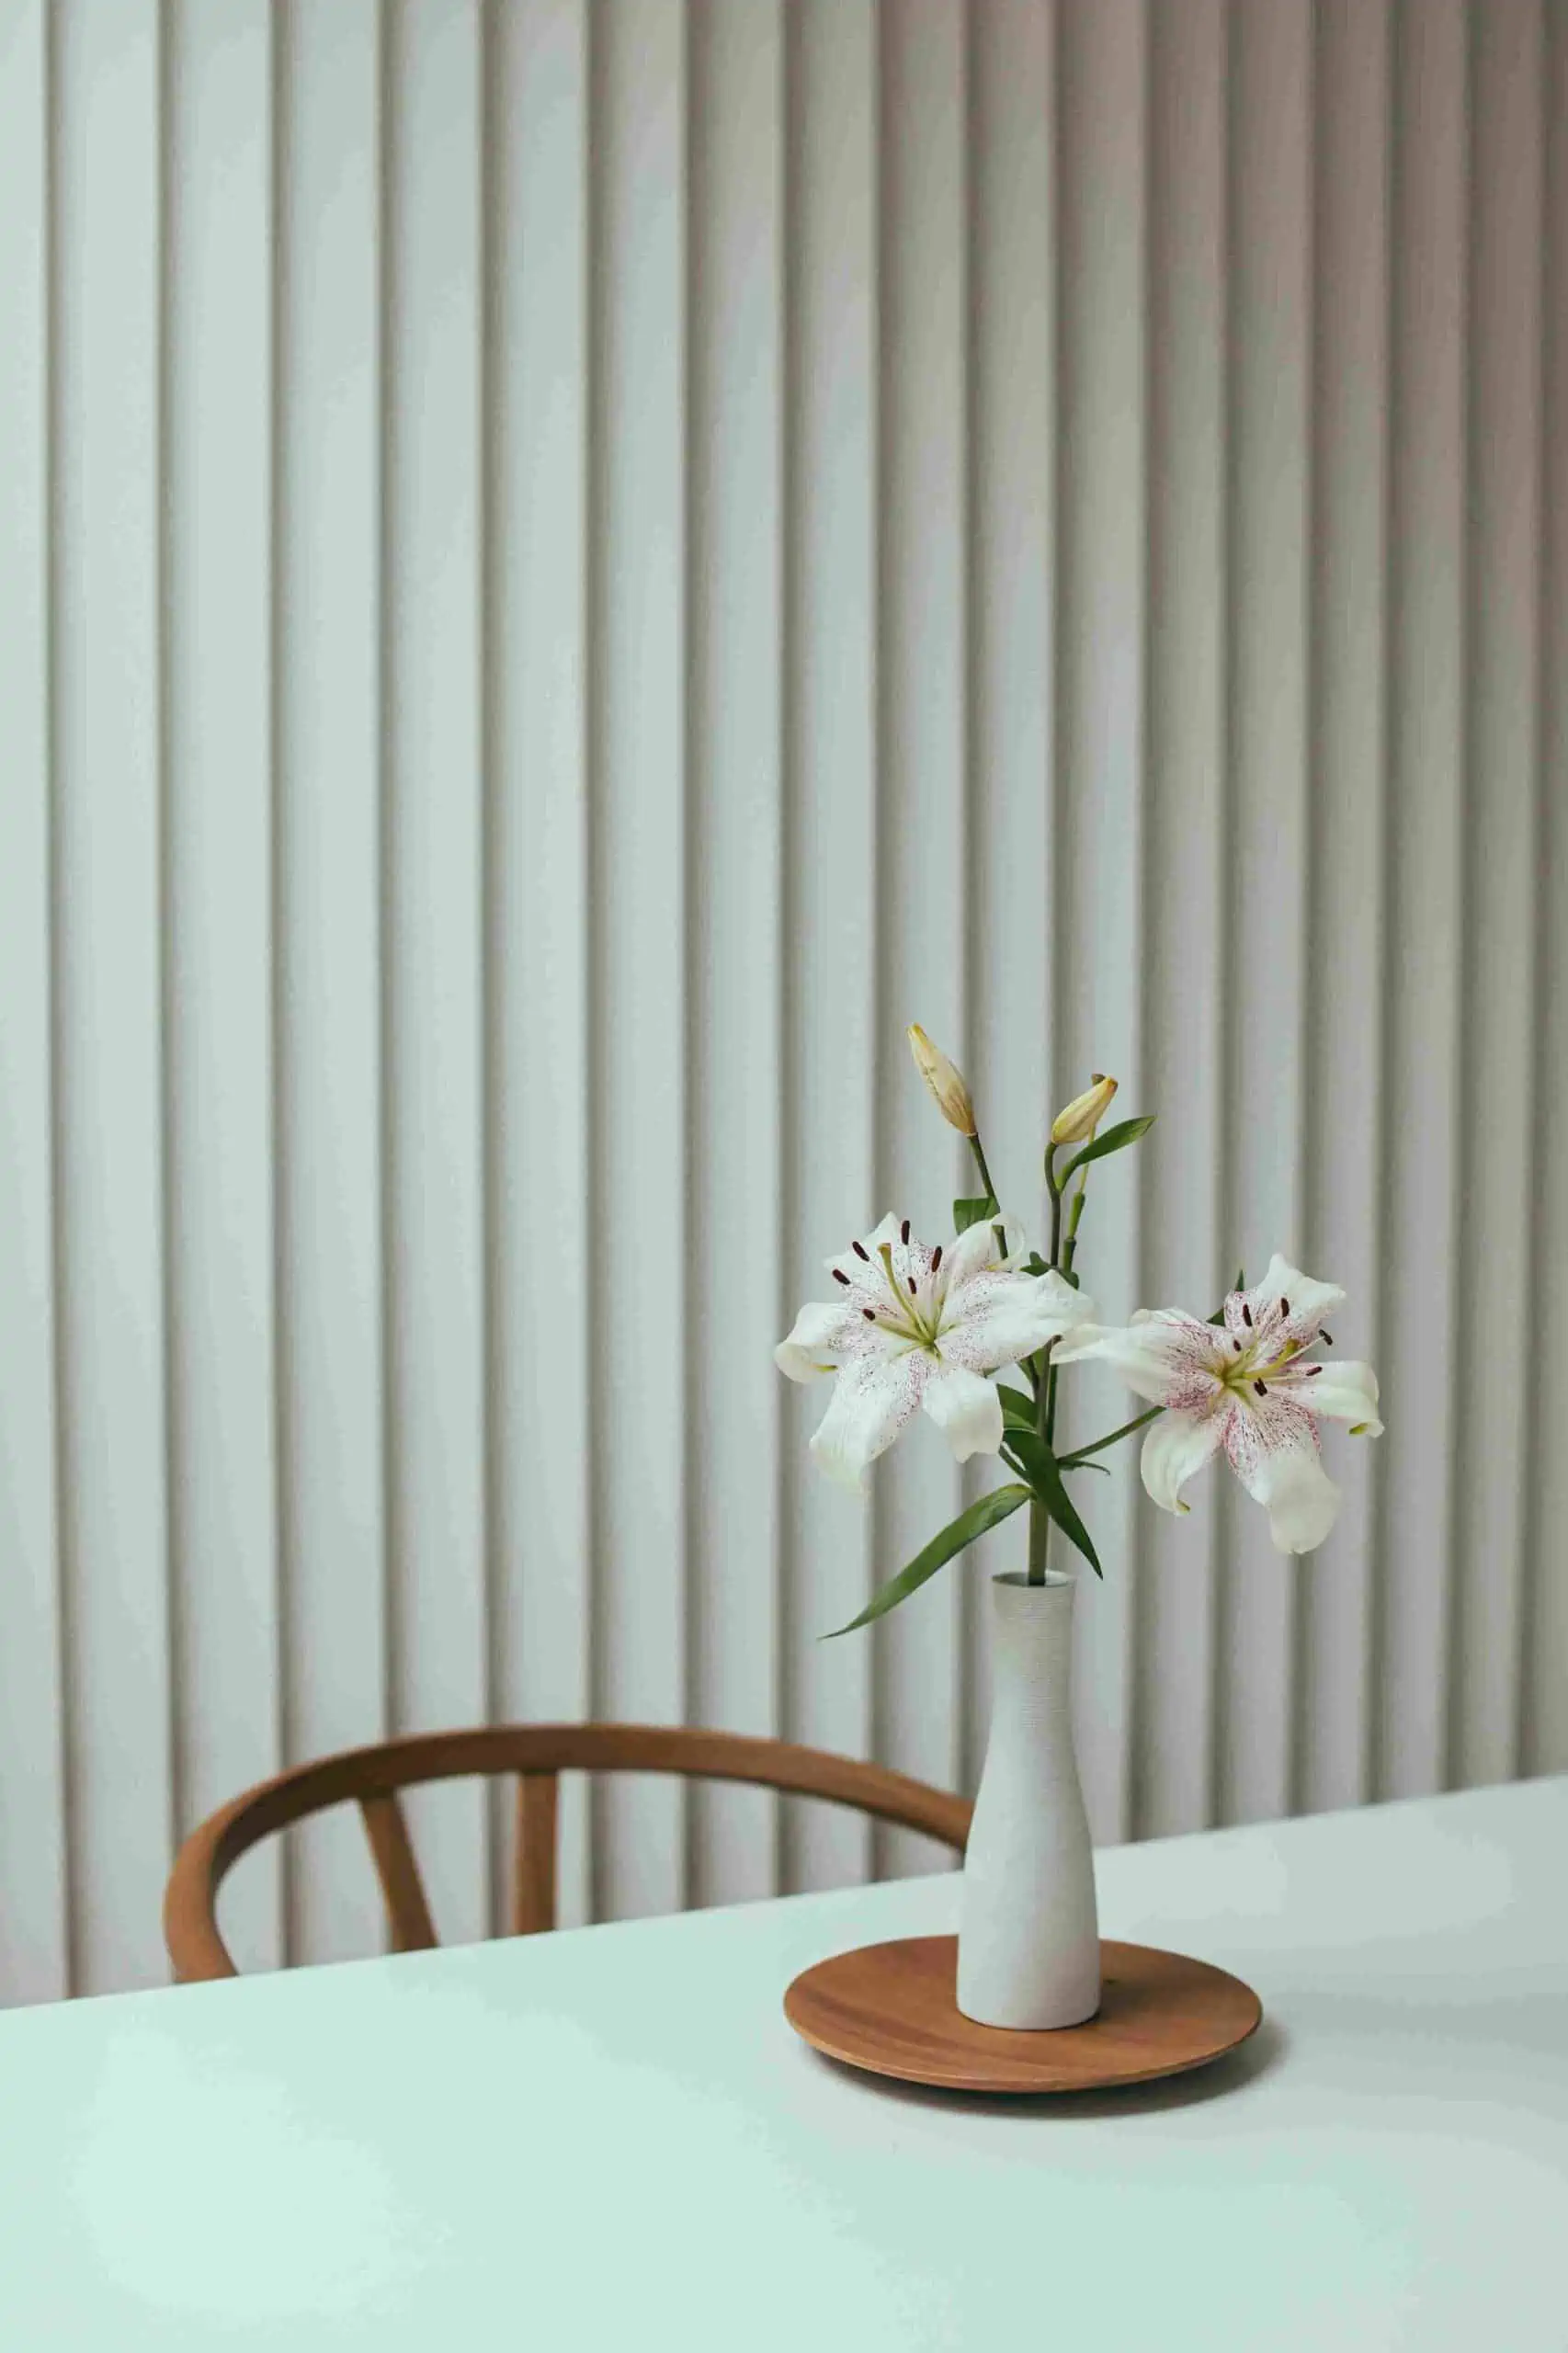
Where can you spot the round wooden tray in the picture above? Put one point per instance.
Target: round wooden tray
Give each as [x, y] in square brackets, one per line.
[890, 2010]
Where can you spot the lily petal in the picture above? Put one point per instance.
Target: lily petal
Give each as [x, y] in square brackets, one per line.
[1174, 1448]
[859, 1269]
[872, 1399]
[997, 1319]
[1286, 1303]
[1302, 1500]
[1144, 1354]
[973, 1253]
[1272, 1443]
[1342, 1392]
[822, 1332]
[965, 1408]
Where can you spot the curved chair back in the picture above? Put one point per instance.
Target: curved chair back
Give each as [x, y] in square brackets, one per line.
[536, 1755]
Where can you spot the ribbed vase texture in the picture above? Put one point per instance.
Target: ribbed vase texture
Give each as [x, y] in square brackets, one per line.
[1029, 1939]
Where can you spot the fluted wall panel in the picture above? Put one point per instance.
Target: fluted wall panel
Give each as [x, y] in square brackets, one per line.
[330, 814]
[568, 567]
[35, 1911]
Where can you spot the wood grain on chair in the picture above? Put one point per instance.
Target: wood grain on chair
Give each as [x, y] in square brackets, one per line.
[536, 1755]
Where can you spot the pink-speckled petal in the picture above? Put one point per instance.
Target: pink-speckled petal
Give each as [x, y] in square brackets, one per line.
[865, 1270]
[1302, 1500]
[997, 1319]
[1334, 1392]
[965, 1408]
[1176, 1447]
[1163, 1355]
[1272, 1443]
[823, 1333]
[1286, 1310]
[872, 1399]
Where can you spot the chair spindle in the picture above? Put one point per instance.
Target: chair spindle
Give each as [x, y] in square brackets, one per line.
[413, 1930]
[533, 1877]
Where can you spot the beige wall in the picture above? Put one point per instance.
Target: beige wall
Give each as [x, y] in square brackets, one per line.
[563, 571]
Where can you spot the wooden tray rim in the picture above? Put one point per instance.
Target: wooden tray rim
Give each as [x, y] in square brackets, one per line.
[867, 2058]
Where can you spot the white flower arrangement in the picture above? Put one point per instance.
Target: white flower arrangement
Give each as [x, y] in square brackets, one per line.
[914, 1324]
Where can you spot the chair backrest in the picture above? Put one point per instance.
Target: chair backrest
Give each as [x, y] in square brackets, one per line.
[537, 1753]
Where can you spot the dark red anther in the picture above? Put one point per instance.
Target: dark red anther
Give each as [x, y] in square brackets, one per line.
[1261, 1387]
[840, 1277]
[935, 1257]
[1246, 1315]
[869, 1313]
[1313, 1368]
[913, 1287]
[1284, 1307]
[1328, 1339]
[903, 1231]
[862, 1252]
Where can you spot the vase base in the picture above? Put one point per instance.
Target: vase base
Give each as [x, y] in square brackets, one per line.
[890, 2010]
[1083, 2015]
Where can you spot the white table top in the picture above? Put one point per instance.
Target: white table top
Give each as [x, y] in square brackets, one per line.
[612, 2138]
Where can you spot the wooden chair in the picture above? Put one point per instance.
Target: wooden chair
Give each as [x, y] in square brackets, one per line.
[537, 1753]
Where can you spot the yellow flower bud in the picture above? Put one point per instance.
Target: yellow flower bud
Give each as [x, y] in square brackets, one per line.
[1077, 1123]
[945, 1082]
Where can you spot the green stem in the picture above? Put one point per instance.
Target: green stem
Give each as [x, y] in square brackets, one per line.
[991, 1193]
[1082, 1453]
[979, 1151]
[1070, 1246]
[1045, 1389]
[1039, 1539]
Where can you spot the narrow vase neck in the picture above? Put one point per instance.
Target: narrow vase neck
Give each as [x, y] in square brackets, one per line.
[1031, 1644]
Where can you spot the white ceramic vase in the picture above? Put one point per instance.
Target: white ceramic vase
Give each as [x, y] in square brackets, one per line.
[1028, 1938]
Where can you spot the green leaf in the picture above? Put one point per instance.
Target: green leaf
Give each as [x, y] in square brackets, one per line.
[1115, 1139]
[1081, 1454]
[1035, 1265]
[971, 1213]
[1018, 1408]
[1040, 1468]
[987, 1512]
[1086, 1465]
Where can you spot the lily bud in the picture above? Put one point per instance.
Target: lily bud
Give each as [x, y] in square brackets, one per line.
[1077, 1123]
[945, 1082]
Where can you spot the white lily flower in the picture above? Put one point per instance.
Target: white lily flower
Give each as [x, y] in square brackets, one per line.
[912, 1326]
[1245, 1385]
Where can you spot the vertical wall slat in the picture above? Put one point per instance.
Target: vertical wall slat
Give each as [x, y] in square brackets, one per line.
[108, 232]
[1006, 1041]
[1186, 1261]
[1544, 1627]
[1344, 977]
[1545, 1615]
[1494, 1364]
[540, 919]
[920, 869]
[831, 850]
[734, 289]
[431, 915]
[1096, 915]
[328, 821]
[1418, 1329]
[33, 1828]
[1270, 237]
[218, 925]
[642, 1141]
